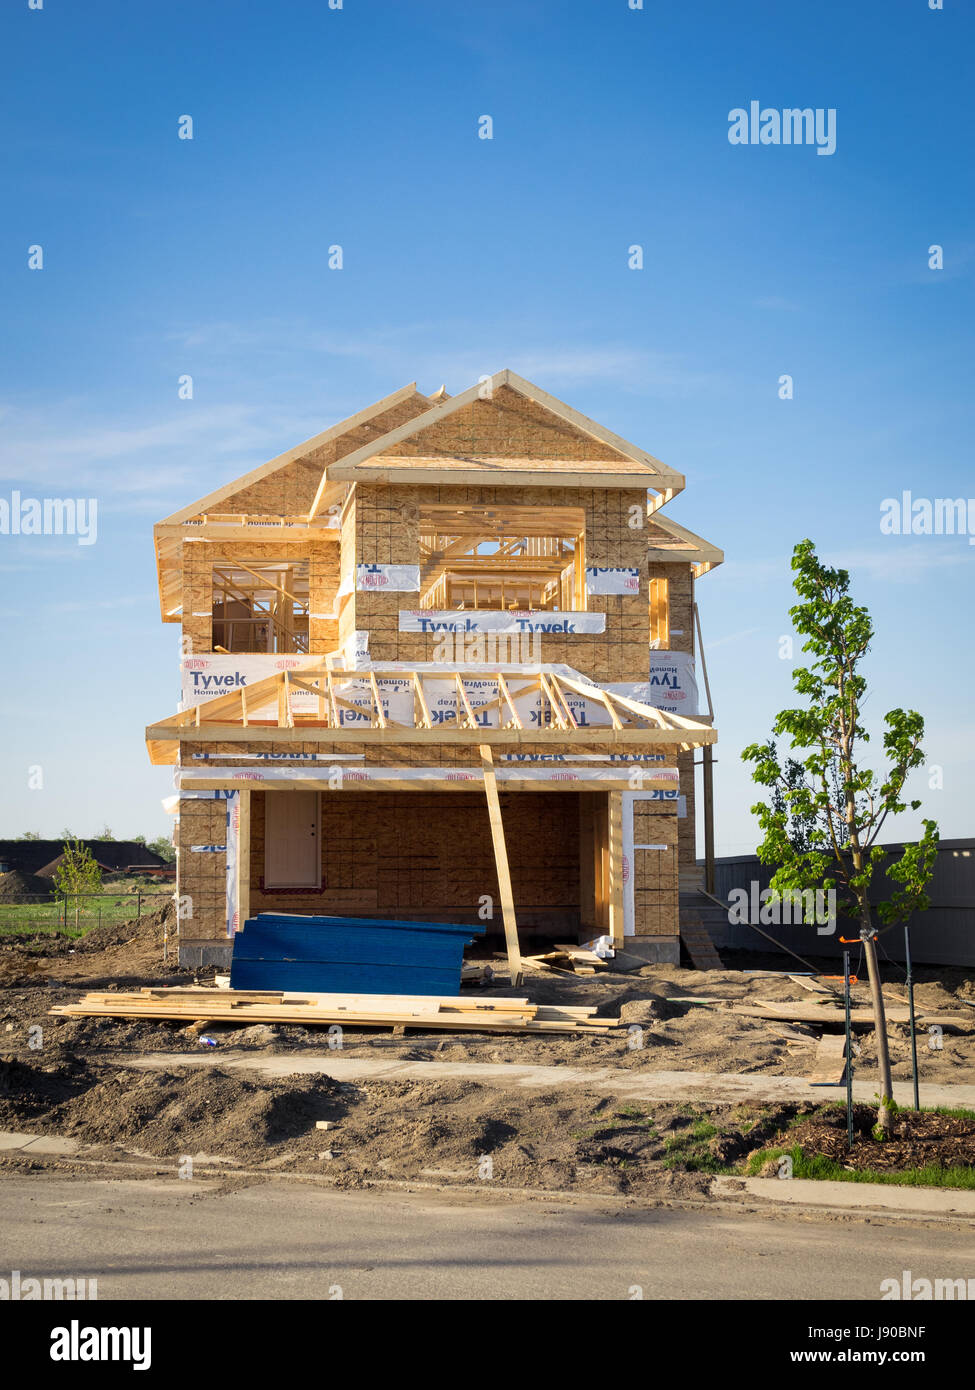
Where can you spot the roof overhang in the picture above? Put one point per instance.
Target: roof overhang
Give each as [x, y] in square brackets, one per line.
[626, 723]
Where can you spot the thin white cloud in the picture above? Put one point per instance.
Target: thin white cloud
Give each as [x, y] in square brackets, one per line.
[401, 355]
[124, 462]
[731, 637]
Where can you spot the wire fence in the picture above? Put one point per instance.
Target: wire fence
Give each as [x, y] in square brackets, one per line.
[76, 914]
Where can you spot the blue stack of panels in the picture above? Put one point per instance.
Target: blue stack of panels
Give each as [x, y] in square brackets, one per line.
[349, 955]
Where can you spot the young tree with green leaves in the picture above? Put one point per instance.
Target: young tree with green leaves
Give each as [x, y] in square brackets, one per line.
[825, 809]
[77, 872]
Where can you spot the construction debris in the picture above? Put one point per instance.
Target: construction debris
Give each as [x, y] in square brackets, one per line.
[456, 1013]
[576, 960]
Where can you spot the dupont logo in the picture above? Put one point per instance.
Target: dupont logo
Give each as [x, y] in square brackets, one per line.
[356, 776]
[287, 664]
[195, 663]
[460, 777]
[563, 777]
[247, 777]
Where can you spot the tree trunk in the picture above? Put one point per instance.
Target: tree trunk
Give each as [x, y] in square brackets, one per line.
[884, 1113]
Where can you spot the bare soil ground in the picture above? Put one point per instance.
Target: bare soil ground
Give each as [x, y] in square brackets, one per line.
[438, 1130]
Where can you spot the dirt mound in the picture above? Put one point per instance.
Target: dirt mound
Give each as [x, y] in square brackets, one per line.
[18, 884]
[147, 930]
[29, 1090]
[172, 1113]
[163, 1112]
[115, 952]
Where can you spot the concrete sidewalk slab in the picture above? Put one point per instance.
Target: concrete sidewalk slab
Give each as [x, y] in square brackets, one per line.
[13, 1142]
[661, 1086]
[937, 1201]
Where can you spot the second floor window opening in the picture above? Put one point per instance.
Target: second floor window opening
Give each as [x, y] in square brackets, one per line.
[260, 607]
[502, 558]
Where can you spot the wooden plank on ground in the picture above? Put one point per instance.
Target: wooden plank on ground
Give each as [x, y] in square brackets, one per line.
[862, 1016]
[829, 1064]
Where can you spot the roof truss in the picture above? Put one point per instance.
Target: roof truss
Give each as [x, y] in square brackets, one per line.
[230, 717]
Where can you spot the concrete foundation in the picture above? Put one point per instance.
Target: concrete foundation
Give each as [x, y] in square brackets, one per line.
[654, 950]
[194, 955]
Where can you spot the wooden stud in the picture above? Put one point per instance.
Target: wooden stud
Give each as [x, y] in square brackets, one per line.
[501, 864]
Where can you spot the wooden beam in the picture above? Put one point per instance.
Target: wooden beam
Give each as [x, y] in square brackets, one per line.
[449, 732]
[501, 863]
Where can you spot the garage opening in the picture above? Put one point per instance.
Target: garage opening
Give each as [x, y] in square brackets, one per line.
[429, 856]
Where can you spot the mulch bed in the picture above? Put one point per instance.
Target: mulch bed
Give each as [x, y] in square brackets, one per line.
[917, 1139]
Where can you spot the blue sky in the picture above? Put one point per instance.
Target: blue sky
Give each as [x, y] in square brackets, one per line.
[358, 127]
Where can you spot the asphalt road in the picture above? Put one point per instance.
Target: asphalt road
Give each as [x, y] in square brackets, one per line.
[163, 1239]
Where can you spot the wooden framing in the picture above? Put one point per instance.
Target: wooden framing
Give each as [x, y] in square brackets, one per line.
[231, 717]
[501, 865]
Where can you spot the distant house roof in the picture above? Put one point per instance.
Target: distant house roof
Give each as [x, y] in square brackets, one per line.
[36, 856]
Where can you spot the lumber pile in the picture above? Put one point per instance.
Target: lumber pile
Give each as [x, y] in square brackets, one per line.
[453, 1013]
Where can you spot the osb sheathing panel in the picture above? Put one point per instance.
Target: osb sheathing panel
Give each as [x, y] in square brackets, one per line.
[291, 490]
[201, 879]
[386, 529]
[507, 426]
[655, 900]
[388, 852]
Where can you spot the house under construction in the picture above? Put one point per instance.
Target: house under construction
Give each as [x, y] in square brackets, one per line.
[438, 663]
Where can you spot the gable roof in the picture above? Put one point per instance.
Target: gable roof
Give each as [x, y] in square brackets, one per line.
[668, 540]
[390, 456]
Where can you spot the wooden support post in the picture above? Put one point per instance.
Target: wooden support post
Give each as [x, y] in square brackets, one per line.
[243, 856]
[707, 761]
[501, 863]
[616, 868]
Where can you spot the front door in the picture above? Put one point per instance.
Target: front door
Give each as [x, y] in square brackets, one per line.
[292, 840]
